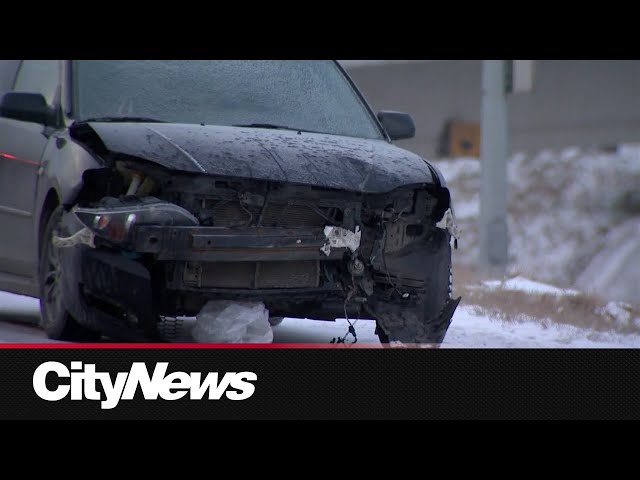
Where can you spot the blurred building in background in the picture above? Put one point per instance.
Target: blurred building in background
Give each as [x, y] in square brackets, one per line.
[584, 103]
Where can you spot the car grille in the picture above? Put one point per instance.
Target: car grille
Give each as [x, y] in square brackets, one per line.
[260, 275]
[232, 213]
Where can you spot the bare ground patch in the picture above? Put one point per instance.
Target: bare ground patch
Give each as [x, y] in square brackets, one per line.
[580, 310]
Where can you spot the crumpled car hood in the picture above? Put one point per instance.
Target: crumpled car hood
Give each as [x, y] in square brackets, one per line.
[329, 161]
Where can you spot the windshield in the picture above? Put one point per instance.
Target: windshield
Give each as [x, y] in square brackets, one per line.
[310, 95]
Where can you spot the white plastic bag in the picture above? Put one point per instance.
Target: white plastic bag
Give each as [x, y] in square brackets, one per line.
[225, 321]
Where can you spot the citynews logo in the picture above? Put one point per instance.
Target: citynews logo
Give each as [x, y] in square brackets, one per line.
[176, 385]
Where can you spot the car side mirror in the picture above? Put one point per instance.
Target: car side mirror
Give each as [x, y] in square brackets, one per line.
[27, 107]
[398, 125]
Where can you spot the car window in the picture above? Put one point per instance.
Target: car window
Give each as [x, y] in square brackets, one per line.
[39, 76]
[303, 94]
[8, 69]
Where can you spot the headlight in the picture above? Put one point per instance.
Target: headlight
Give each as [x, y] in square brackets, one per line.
[115, 220]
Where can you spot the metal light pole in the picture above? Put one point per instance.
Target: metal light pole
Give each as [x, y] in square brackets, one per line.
[493, 156]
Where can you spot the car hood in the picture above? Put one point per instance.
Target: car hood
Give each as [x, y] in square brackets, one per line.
[329, 161]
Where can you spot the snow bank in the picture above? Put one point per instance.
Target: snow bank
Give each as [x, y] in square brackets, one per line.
[565, 209]
[614, 272]
[521, 284]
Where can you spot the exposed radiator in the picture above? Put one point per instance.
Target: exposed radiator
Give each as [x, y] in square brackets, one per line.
[253, 275]
[232, 213]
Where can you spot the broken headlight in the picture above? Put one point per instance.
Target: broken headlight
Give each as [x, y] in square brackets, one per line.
[114, 221]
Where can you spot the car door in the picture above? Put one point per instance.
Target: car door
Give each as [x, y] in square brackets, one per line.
[21, 147]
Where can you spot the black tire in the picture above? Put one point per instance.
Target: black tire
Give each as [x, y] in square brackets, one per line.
[382, 335]
[442, 292]
[55, 320]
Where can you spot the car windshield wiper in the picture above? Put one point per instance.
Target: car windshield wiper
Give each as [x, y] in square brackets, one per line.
[274, 127]
[122, 119]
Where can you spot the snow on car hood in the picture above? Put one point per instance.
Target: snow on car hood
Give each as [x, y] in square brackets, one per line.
[330, 161]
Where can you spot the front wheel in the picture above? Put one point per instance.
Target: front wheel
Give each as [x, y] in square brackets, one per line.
[425, 317]
[55, 320]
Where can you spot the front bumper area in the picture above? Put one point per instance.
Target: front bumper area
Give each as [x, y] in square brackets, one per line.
[123, 293]
[109, 293]
[220, 244]
[169, 271]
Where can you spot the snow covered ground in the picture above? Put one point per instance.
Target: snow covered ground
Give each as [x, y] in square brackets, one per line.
[521, 284]
[573, 217]
[471, 328]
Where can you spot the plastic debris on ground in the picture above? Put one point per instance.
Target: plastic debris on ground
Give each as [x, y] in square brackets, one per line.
[224, 321]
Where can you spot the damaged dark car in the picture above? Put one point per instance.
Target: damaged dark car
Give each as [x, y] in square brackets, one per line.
[133, 192]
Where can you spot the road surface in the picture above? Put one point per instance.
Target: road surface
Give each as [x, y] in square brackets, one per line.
[19, 317]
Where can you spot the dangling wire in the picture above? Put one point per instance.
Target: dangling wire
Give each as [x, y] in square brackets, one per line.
[351, 330]
[352, 326]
